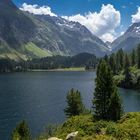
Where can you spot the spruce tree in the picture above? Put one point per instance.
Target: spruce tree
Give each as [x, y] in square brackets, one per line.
[105, 95]
[106, 58]
[121, 58]
[118, 65]
[21, 132]
[127, 62]
[75, 104]
[115, 107]
[133, 58]
[138, 56]
[112, 63]
[127, 69]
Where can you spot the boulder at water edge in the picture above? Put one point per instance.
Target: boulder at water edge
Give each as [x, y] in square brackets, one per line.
[72, 135]
[54, 138]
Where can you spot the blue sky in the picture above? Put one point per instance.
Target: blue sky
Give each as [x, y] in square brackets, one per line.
[69, 8]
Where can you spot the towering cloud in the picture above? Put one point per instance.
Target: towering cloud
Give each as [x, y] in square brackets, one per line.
[35, 9]
[136, 17]
[102, 24]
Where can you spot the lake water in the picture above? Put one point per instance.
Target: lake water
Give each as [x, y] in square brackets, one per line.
[39, 98]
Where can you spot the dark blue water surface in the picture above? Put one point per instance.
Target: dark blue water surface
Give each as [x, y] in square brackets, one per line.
[39, 98]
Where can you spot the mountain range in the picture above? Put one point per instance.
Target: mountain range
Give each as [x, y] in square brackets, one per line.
[129, 40]
[25, 36]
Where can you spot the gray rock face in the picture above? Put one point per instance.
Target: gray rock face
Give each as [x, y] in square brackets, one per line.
[129, 40]
[69, 38]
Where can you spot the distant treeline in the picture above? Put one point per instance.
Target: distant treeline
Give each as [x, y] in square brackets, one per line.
[89, 61]
[7, 65]
[81, 60]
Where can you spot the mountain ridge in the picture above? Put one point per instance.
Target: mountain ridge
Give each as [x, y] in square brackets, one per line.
[129, 40]
[26, 36]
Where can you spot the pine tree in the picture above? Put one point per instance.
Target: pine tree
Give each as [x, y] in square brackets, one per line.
[21, 132]
[118, 65]
[133, 58]
[105, 94]
[127, 69]
[138, 56]
[121, 58]
[75, 104]
[106, 58]
[127, 62]
[112, 63]
[115, 107]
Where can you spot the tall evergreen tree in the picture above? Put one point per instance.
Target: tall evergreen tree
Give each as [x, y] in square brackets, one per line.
[21, 132]
[112, 63]
[115, 107]
[127, 62]
[106, 95]
[118, 65]
[127, 69]
[121, 58]
[106, 58]
[75, 104]
[138, 56]
[133, 58]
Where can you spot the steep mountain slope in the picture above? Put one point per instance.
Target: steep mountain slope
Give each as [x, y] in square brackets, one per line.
[17, 30]
[26, 36]
[68, 38]
[129, 40]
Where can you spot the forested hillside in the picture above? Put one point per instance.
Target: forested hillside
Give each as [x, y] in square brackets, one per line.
[126, 68]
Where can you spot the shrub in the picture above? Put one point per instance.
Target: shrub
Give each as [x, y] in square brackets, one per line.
[21, 132]
[111, 129]
[99, 126]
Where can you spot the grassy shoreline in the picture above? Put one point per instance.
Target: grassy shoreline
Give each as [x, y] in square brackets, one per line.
[127, 128]
[60, 69]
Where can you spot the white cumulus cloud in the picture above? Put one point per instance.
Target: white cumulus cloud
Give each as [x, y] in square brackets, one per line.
[108, 37]
[102, 24]
[136, 17]
[36, 9]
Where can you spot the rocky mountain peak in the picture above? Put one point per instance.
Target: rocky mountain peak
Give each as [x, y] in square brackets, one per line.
[135, 28]
[7, 3]
[129, 40]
